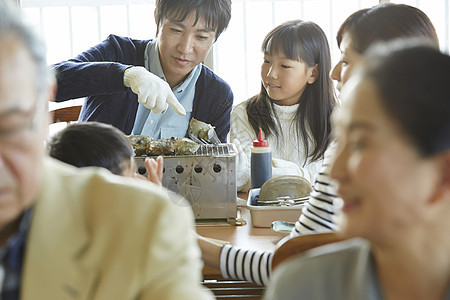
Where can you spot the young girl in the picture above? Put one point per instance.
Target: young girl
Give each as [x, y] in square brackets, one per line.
[294, 105]
[293, 110]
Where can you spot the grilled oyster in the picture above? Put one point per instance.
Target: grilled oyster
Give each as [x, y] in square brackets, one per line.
[145, 145]
[185, 146]
[161, 147]
[140, 143]
[200, 129]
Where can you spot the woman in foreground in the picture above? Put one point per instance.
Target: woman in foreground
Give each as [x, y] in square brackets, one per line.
[393, 170]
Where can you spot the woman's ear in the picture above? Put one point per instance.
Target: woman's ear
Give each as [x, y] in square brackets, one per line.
[446, 169]
[314, 74]
[443, 187]
[52, 89]
[156, 22]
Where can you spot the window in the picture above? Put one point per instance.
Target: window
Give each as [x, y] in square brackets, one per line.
[71, 26]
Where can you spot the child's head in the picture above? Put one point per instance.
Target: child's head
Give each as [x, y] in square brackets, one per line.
[298, 40]
[94, 144]
[303, 42]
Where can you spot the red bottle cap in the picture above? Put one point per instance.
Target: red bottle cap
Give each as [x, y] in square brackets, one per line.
[260, 142]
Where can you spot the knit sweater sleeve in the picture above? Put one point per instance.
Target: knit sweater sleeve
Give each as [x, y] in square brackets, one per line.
[98, 70]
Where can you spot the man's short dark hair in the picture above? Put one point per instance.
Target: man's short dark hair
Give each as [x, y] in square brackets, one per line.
[215, 13]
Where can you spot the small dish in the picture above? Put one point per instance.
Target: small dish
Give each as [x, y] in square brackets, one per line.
[264, 215]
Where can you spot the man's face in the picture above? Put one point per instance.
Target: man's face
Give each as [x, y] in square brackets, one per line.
[22, 130]
[182, 46]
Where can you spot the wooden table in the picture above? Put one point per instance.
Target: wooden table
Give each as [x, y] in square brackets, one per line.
[243, 236]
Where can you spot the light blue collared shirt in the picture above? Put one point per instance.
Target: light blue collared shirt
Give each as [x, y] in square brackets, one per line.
[170, 123]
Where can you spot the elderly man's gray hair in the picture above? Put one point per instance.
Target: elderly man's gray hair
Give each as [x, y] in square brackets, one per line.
[11, 22]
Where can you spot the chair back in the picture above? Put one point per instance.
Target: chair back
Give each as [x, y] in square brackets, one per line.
[297, 245]
[66, 114]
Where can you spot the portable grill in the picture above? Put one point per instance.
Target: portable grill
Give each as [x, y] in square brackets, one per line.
[207, 179]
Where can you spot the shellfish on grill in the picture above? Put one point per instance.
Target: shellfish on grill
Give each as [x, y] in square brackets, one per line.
[161, 147]
[199, 129]
[185, 146]
[140, 143]
[145, 145]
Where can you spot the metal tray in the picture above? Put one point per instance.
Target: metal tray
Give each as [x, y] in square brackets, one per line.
[263, 216]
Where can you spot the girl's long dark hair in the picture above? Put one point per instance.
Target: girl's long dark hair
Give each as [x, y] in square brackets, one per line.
[301, 41]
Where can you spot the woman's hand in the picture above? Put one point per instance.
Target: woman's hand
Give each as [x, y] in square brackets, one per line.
[210, 250]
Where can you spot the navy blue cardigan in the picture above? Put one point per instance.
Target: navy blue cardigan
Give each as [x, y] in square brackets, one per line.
[97, 74]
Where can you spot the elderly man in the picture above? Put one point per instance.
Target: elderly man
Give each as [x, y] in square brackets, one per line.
[67, 233]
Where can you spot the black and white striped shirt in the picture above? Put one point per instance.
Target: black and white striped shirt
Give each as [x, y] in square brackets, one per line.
[318, 215]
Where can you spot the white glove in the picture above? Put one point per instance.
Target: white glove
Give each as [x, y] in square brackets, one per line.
[242, 168]
[153, 92]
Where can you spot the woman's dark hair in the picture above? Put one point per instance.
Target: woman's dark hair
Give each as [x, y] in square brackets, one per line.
[215, 13]
[385, 22]
[301, 41]
[413, 87]
[92, 144]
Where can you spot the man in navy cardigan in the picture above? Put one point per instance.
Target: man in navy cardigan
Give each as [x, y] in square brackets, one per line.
[130, 83]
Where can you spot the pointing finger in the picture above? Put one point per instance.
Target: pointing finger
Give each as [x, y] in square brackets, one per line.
[176, 106]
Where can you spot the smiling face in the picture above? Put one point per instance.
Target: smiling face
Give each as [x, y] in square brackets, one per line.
[23, 121]
[347, 63]
[384, 182]
[182, 46]
[285, 79]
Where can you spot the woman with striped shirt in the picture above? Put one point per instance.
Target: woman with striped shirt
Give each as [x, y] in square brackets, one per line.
[318, 215]
[355, 35]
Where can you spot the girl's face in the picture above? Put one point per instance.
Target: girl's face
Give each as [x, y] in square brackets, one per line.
[382, 179]
[348, 61]
[285, 79]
